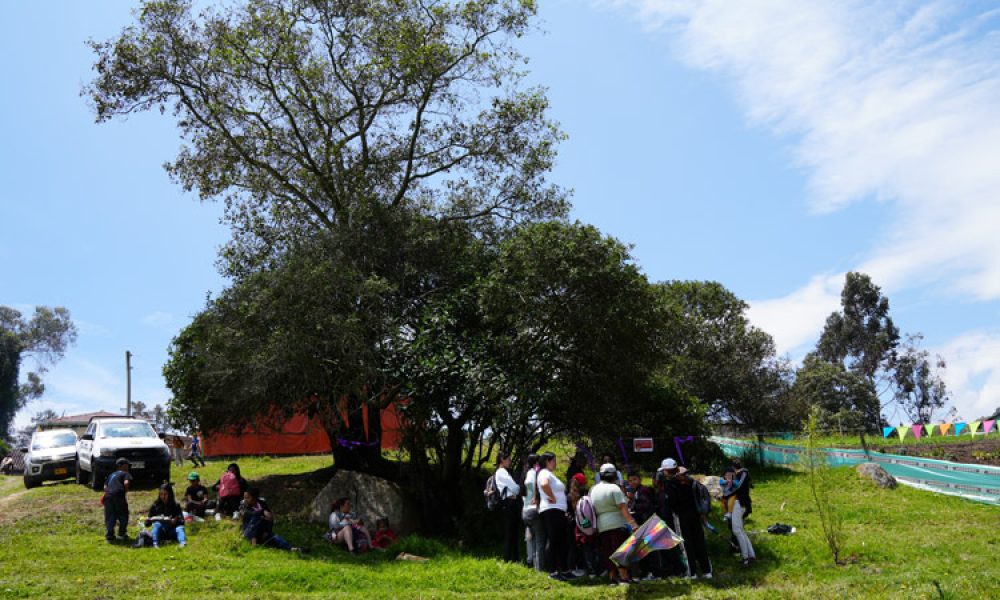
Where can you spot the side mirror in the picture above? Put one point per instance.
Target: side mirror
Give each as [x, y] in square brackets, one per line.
[89, 437]
[23, 449]
[163, 436]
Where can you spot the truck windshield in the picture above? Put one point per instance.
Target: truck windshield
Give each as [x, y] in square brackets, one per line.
[125, 430]
[53, 440]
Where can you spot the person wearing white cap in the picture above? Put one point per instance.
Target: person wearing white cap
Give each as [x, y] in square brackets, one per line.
[612, 517]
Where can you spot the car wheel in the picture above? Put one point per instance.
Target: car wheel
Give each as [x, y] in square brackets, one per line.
[96, 478]
[79, 473]
[30, 482]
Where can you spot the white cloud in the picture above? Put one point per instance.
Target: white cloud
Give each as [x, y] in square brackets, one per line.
[161, 320]
[880, 100]
[77, 386]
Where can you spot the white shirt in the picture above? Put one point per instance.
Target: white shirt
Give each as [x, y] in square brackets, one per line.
[558, 490]
[529, 490]
[506, 485]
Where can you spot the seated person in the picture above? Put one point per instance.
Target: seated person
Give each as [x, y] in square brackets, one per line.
[230, 487]
[346, 528]
[166, 517]
[195, 496]
[384, 536]
[258, 522]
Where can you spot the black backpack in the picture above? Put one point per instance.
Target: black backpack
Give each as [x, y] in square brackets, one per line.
[492, 494]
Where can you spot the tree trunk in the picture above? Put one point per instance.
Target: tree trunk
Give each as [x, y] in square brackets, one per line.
[354, 451]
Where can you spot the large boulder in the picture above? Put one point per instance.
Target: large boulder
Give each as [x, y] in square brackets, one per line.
[371, 497]
[712, 483]
[876, 473]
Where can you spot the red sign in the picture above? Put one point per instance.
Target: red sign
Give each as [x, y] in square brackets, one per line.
[642, 444]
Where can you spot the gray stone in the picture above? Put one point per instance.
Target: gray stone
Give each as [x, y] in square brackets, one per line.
[876, 473]
[371, 498]
[712, 483]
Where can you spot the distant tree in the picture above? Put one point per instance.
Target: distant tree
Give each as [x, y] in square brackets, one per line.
[862, 338]
[919, 388]
[45, 415]
[44, 338]
[842, 400]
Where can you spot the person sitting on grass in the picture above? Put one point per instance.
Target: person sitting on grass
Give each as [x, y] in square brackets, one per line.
[230, 487]
[384, 535]
[166, 517]
[258, 522]
[346, 528]
[195, 496]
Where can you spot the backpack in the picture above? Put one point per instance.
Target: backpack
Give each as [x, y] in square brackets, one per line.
[586, 516]
[702, 499]
[492, 493]
[228, 485]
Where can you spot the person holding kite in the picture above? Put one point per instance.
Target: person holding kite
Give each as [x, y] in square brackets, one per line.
[682, 503]
[611, 507]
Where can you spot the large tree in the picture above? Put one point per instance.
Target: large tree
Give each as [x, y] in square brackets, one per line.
[333, 131]
[918, 386]
[44, 337]
[729, 365]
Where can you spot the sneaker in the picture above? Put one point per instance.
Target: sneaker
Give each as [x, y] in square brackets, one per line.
[218, 517]
[182, 544]
[579, 573]
[123, 537]
[156, 544]
[650, 577]
[707, 575]
[236, 515]
[199, 520]
[557, 576]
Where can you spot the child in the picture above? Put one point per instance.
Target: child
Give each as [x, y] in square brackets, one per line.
[196, 450]
[115, 502]
[258, 522]
[166, 518]
[384, 536]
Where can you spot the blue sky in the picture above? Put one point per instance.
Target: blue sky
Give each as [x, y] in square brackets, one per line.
[769, 145]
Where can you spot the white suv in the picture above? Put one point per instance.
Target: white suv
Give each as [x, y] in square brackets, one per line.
[108, 439]
[50, 455]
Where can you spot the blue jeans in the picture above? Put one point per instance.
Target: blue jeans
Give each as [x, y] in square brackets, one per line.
[163, 532]
[276, 541]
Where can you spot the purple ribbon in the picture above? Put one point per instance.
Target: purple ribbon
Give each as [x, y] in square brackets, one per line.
[621, 446]
[352, 445]
[678, 440]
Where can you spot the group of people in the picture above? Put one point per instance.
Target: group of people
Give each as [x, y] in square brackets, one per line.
[565, 546]
[166, 518]
[348, 530]
[195, 452]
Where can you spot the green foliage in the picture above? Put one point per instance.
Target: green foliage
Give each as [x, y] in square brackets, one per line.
[839, 399]
[919, 388]
[45, 338]
[824, 488]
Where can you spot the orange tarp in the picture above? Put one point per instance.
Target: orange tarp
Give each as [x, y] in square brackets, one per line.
[298, 435]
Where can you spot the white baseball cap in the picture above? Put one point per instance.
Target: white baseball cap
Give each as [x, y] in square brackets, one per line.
[668, 464]
[608, 469]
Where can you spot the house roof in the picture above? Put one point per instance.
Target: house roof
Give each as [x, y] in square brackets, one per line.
[80, 419]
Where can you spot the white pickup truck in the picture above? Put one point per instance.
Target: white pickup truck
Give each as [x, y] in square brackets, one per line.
[109, 438]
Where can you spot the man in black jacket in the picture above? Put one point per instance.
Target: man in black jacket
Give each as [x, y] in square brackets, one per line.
[682, 502]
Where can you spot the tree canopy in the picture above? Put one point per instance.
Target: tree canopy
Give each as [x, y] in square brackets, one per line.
[44, 337]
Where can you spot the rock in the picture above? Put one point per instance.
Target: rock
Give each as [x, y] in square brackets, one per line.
[371, 498]
[876, 473]
[712, 483]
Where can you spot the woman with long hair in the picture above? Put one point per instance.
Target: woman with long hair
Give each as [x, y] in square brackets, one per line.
[167, 518]
[552, 512]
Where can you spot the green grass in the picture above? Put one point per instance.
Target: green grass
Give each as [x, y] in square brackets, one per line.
[900, 542]
[881, 444]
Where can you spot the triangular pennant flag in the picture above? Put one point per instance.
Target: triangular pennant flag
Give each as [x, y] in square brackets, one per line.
[988, 425]
[887, 431]
[973, 426]
[929, 429]
[944, 427]
[917, 430]
[958, 428]
[902, 429]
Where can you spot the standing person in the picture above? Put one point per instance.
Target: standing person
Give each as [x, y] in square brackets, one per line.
[583, 556]
[177, 448]
[607, 459]
[552, 512]
[576, 465]
[510, 505]
[742, 506]
[529, 514]
[195, 496]
[610, 504]
[196, 449]
[166, 517]
[642, 505]
[115, 501]
[682, 502]
[230, 487]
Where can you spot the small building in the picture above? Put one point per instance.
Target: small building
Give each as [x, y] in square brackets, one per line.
[77, 423]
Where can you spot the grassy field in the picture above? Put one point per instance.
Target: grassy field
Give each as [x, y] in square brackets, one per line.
[901, 543]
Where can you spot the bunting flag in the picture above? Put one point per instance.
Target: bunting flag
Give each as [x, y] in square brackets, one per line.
[929, 429]
[973, 426]
[958, 428]
[944, 428]
[988, 425]
[887, 431]
[651, 536]
[902, 429]
[917, 430]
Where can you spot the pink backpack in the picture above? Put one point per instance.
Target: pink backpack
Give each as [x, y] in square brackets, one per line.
[228, 485]
[586, 516]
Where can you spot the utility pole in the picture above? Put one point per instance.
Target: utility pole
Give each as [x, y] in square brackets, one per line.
[128, 384]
